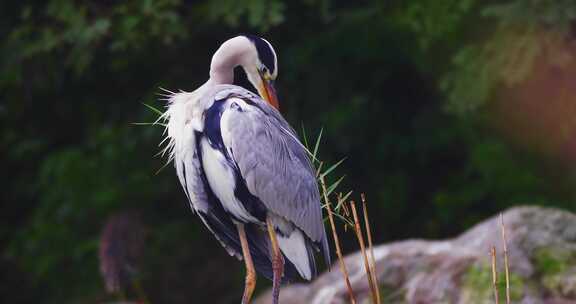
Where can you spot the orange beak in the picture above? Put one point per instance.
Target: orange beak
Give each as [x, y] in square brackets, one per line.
[268, 92]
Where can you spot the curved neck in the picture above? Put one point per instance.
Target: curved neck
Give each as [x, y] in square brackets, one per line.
[232, 53]
[222, 76]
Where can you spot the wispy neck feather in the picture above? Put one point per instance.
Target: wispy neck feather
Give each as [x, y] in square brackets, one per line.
[238, 51]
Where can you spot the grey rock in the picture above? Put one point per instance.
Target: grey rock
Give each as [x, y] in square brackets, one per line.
[542, 257]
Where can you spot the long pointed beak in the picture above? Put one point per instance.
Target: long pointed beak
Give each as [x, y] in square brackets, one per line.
[268, 92]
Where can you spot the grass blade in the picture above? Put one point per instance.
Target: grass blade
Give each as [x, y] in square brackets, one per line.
[153, 109]
[305, 137]
[148, 124]
[334, 185]
[347, 222]
[318, 143]
[318, 173]
[334, 166]
[341, 200]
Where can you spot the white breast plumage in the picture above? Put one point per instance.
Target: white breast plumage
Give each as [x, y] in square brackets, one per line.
[220, 176]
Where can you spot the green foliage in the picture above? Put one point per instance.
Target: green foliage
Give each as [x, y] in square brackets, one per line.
[559, 14]
[74, 31]
[432, 20]
[491, 173]
[505, 57]
[261, 14]
[78, 188]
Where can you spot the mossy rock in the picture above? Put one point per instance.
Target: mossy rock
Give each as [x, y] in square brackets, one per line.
[391, 294]
[557, 271]
[477, 285]
[552, 261]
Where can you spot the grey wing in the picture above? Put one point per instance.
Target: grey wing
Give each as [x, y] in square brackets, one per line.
[203, 201]
[275, 166]
[188, 170]
[191, 176]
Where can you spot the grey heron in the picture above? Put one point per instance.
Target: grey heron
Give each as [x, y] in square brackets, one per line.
[243, 169]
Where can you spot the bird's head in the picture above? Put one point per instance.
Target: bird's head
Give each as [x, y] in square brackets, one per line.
[266, 70]
[258, 59]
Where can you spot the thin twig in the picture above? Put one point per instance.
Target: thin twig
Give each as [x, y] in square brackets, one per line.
[370, 246]
[363, 250]
[494, 274]
[346, 213]
[506, 268]
[337, 243]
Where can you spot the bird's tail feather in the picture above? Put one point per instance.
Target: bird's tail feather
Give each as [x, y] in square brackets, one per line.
[299, 251]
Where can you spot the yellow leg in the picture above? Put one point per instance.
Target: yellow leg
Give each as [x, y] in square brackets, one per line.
[250, 283]
[277, 262]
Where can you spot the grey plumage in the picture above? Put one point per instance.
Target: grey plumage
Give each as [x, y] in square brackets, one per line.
[260, 146]
[275, 165]
[243, 169]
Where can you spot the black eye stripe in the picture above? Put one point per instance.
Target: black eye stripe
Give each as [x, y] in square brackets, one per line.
[265, 53]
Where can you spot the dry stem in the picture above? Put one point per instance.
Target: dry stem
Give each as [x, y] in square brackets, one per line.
[506, 268]
[343, 206]
[373, 288]
[370, 246]
[337, 243]
[494, 274]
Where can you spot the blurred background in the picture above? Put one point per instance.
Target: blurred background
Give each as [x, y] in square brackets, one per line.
[448, 111]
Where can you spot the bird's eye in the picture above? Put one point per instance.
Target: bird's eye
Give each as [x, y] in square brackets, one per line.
[264, 70]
